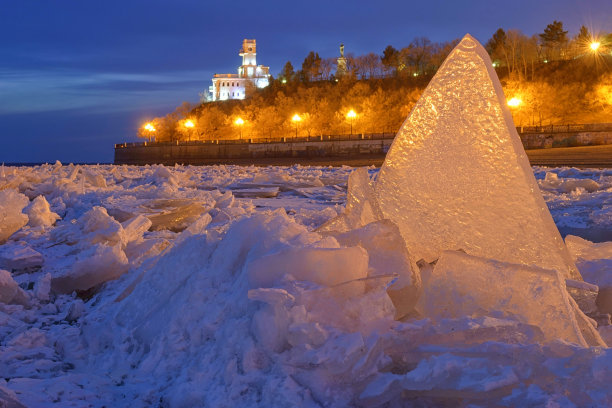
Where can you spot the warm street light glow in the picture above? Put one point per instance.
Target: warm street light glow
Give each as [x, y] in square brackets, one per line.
[514, 102]
[351, 115]
[239, 122]
[189, 123]
[296, 119]
[595, 45]
[150, 128]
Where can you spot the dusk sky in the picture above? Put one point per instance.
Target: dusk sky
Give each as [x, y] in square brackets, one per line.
[78, 76]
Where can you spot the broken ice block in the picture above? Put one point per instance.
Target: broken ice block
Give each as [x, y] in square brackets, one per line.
[93, 227]
[97, 265]
[11, 217]
[135, 228]
[18, 257]
[581, 249]
[10, 292]
[388, 256]
[457, 176]
[323, 266]
[177, 219]
[40, 214]
[464, 285]
[361, 205]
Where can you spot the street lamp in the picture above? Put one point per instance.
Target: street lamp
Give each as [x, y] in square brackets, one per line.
[595, 46]
[514, 102]
[189, 125]
[149, 128]
[351, 115]
[239, 122]
[296, 119]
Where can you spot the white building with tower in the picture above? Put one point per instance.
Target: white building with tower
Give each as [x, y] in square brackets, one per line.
[250, 76]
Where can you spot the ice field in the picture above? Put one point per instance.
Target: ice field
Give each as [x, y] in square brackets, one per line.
[225, 295]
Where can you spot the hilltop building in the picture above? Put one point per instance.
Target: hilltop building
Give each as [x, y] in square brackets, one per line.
[250, 75]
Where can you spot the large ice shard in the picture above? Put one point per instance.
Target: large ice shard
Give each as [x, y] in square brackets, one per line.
[457, 176]
[460, 285]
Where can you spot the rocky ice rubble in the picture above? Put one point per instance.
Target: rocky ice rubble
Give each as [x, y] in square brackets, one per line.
[259, 303]
[243, 286]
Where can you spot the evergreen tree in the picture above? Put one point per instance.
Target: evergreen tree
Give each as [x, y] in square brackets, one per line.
[497, 47]
[554, 39]
[584, 35]
[287, 74]
[311, 67]
[390, 59]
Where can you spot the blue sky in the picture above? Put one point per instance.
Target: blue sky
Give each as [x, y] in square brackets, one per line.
[77, 76]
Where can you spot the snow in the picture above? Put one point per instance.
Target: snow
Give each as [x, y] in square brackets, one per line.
[235, 308]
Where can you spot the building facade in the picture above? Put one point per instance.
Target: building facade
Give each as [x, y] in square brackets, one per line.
[250, 76]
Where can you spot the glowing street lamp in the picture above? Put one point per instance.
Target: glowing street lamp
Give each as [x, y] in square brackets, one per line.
[149, 128]
[239, 122]
[296, 119]
[594, 46]
[351, 115]
[514, 102]
[189, 125]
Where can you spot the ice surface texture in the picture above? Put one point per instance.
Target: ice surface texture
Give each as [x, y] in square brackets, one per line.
[11, 217]
[460, 285]
[457, 177]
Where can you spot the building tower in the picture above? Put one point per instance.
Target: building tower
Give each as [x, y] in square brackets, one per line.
[250, 76]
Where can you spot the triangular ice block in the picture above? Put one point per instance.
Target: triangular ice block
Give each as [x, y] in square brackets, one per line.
[457, 176]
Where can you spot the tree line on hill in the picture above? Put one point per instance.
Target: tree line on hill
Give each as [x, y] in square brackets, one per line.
[558, 80]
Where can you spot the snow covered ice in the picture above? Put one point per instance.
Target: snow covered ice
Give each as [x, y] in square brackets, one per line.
[201, 316]
[184, 287]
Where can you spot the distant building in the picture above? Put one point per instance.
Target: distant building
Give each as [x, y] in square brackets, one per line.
[250, 75]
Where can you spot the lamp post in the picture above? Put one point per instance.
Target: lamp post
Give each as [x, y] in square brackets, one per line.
[514, 103]
[149, 128]
[189, 125]
[351, 115]
[239, 122]
[296, 119]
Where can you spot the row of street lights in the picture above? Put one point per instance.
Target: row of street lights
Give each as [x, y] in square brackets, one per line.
[296, 119]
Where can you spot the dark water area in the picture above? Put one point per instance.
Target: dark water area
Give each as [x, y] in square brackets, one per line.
[41, 163]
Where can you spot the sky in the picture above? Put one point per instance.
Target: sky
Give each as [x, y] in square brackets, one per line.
[77, 76]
